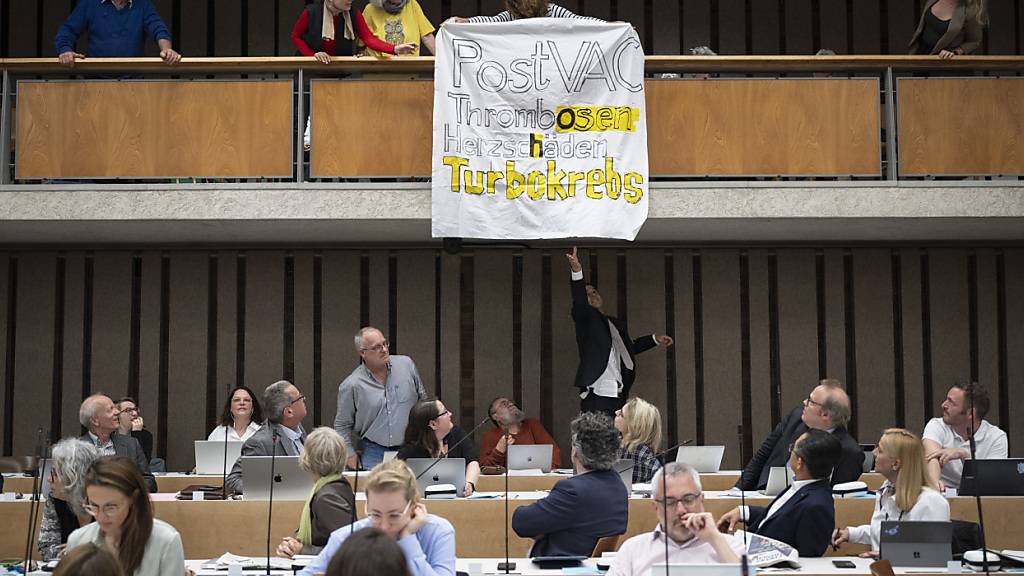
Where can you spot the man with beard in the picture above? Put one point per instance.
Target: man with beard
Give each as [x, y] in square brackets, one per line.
[521, 430]
[693, 537]
[947, 440]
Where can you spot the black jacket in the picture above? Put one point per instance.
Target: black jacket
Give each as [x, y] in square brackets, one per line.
[130, 448]
[805, 521]
[775, 452]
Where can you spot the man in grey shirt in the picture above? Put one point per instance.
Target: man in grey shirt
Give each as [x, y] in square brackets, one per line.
[375, 399]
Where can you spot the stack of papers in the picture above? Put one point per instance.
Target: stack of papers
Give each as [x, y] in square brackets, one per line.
[248, 562]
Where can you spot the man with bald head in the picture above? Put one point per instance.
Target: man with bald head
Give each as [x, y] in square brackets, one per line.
[826, 408]
[99, 415]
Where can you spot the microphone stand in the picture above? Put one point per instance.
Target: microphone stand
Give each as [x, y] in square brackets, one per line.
[270, 502]
[506, 565]
[355, 490]
[36, 489]
[664, 501]
[977, 485]
[744, 567]
[224, 470]
[453, 447]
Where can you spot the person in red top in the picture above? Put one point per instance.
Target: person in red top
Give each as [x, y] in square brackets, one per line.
[522, 430]
[317, 35]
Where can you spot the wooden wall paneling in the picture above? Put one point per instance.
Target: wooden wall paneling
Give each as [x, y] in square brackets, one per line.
[71, 396]
[732, 27]
[186, 371]
[193, 41]
[260, 31]
[227, 28]
[417, 319]
[111, 322]
[492, 321]
[565, 356]
[165, 8]
[833, 25]
[22, 28]
[902, 23]
[607, 276]
[149, 351]
[34, 349]
[835, 322]
[988, 328]
[666, 20]
[760, 351]
[798, 327]
[287, 14]
[696, 18]
[451, 306]
[303, 335]
[531, 338]
[764, 23]
[5, 259]
[683, 349]
[599, 9]
[379, 285]
[340, 322]
[949, 320]
[645, 276]
[875, 409]
[1001, 32]
[264, 319]
[633, 12]
[913, 338]
[226, 325]
[866, 32]
[1015, 342]
[721, 295]
[799, 29]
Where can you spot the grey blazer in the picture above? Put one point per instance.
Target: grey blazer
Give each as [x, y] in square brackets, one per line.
[129, 447]
[260, 444]
[964, 30]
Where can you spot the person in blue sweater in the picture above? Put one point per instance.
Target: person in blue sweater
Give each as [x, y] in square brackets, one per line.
[580, 510]
[117, 29]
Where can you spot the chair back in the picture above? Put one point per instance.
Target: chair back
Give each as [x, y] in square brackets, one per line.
[606, 544]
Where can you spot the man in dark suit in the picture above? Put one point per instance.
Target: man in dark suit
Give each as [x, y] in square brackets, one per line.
[282, 433]
[99, 415]
[826, 408]
[607, 353]
[804, 514]
[582, 509]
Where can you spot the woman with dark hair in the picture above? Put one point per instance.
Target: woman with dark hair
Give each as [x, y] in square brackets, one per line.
[88, 560]
[369, 552]
[116, 495]
[429, 434]
[241, 418]
[949, 28]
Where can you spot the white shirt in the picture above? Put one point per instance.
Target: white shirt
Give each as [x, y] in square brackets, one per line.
[780, 501]
[636, 555]
[218, 433]
[990, 444]
[930, 506]
[609, 383]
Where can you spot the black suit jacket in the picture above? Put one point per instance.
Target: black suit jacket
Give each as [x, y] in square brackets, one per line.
[130, 448]
[775, 452]
[805, 521]
[594, 341]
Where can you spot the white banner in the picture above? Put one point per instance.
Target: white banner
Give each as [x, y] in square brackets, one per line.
[540, 130]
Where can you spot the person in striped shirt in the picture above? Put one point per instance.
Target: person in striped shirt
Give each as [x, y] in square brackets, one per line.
[519, 9]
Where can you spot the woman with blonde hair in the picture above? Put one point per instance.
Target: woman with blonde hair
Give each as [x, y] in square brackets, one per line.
[949, 28]
[393, 506]
[639, 422]
[329, 505]
[907, 494]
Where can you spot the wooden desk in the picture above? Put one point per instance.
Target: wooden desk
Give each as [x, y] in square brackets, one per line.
[209, 529]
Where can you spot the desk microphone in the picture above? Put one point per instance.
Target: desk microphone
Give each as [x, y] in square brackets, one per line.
[270, 500]
[977, 484]
[453, 447]
[665, 452]
[744, 568]
[355, 490]
[506, 566]
[224, 470]
[37, 484]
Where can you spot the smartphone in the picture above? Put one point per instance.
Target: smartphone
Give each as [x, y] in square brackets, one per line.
[843, 564]
[604, 566]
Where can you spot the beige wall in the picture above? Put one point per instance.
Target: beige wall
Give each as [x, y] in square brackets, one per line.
[754, 329]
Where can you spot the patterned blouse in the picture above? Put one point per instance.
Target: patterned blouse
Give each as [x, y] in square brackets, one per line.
[645, 463]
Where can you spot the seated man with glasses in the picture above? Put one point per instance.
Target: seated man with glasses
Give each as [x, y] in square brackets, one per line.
[804, 514]
[393, 506]
[826, 408]
[693, 536]
[375, 399]
[100, 417]
[284, 407]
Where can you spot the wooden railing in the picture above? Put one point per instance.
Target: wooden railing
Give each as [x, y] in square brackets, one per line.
[781, 122]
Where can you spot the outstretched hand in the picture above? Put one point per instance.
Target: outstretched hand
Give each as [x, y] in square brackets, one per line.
[574, 262]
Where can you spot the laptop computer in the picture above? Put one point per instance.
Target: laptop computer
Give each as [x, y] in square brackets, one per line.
[916, 544]
[704, 459]
[529, 457]
[624, 468]
[290, 483]
[694, 570]
[1004, 477]
[778, 479]
[210, 456]
[446, 471]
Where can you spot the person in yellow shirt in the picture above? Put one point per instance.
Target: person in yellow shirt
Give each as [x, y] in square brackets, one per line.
[399, 19]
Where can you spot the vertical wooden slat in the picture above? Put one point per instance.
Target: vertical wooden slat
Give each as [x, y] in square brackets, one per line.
[645, 276]
[607, 277]
[492, 319]
[340, 322]
[71, 397]
[666, 26]
[913, 367]
[799, 30]
[633, 12]
[227, 28]
[564, 354]
[866, 34]
[732, 27]
[875, 409]
[226, 325]
[450, 334]
[721, 298]
[111, 322]
[264, 319]
[186, 372]
[416, 297]
[33, 350]
[682, 262]
[379, 317]
[149, 348]
[304, 377]
[5, 302]
[760, 379]
[798, 326]
[765, 27]
[531, 336]
[988, 329]
[834, 313]
[949, 320]
[696, 24]
[1015, 341]
[833, 25]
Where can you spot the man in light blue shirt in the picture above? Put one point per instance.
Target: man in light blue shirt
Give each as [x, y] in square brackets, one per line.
[393, 506]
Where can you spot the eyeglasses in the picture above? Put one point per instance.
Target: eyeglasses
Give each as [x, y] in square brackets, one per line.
[443, 414]
[391, 517]
[378, 348]
[106, 509]
[299, 399]
[810, 402]
[794, 449]
[687, 500]
[129, 411]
